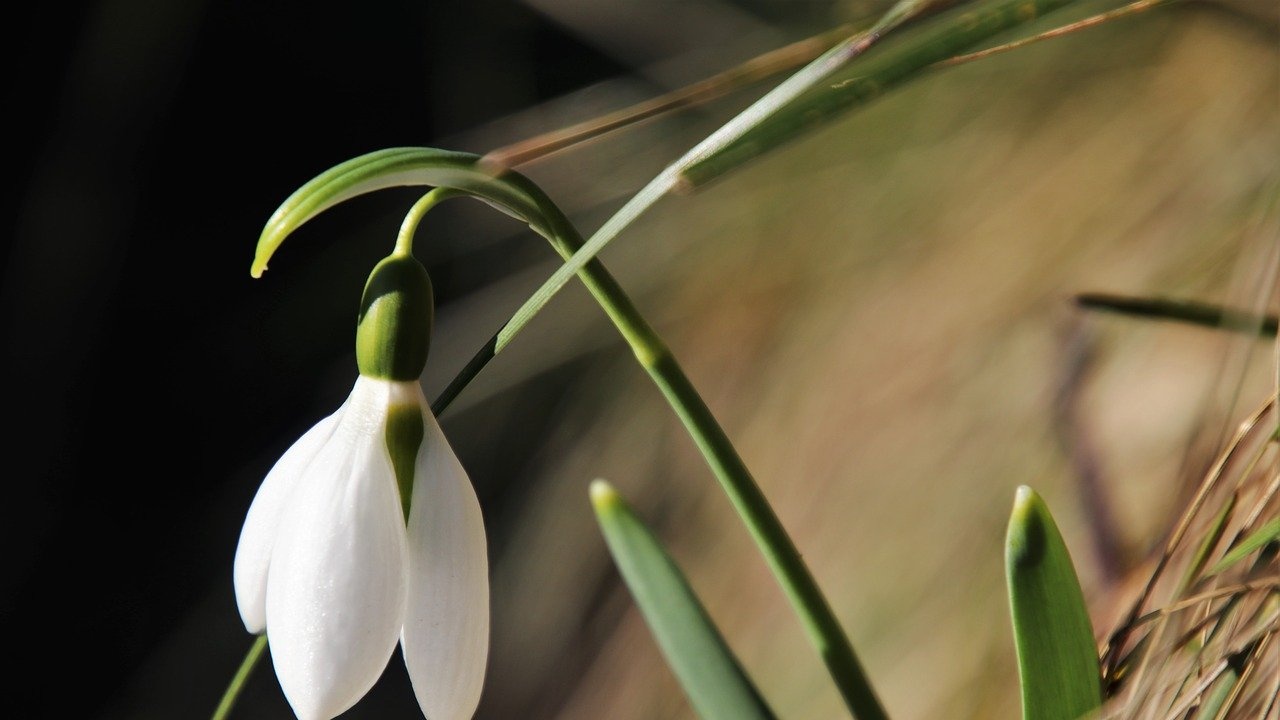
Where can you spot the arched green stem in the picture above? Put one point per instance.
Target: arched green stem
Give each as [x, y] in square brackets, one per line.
[516, 195]
[408, 228]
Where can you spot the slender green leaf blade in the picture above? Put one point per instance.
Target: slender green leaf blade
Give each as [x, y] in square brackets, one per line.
[1262, 536]
[508, 191]
[716, 684]
[1212, 536]
[1215, 703]
[1057, 658]
[869, 78]
[1187, 311]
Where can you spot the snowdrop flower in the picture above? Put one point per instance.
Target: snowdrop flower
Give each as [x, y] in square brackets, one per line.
[367, 532]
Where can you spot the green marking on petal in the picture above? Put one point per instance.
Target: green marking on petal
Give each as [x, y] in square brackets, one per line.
[404, 437]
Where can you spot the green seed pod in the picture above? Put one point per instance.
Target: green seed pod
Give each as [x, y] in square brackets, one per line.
[393, 332]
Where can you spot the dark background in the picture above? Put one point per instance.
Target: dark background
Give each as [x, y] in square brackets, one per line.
[152, 382]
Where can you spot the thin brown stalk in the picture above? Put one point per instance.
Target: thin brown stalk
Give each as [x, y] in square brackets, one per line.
[1180, 531]
[1259, 508]
[1092, 21]
[1215, 594]
[752, 71]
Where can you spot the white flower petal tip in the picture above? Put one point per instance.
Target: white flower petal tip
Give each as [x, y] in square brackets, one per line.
[258, 536]
[446, 629]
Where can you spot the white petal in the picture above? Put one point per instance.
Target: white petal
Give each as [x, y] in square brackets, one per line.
[446, 629]
[258, 535]
[337, 581]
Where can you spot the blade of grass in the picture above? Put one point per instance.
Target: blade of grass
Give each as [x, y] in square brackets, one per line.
[711, 676]
[1211, 538]
[1116, 643]
[1057, 658]
[1263, 535]
[940, 39]
[764, 66]
[1187, 311]
[1091, 21]
[1241, 667]
[755, 70]
[516, 195]
[757, 129]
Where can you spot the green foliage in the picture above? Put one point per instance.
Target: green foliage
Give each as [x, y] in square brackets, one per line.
[1057, 658]
[716, 684]
[1263, 535]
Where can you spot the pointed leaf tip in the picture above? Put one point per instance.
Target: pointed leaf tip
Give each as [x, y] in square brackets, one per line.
[717, 686]
[1024, 545]
[602, 495]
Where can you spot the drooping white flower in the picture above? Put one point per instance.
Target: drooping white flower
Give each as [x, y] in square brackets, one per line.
[331, 569]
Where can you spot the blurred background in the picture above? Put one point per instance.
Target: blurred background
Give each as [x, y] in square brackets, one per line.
[879, 314]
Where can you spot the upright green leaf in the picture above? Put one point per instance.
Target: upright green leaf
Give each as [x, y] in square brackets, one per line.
[1057, 658]
[716, 684]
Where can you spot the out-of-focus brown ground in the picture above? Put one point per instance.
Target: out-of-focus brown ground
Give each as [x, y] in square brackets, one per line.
[878, 315]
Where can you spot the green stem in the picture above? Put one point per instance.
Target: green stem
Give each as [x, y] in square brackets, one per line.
[780, 553]
[404, 241]
[766, 529]
[241, 677]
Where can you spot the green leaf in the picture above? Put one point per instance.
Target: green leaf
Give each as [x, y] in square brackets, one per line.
[1057, 658]
[507, 191]
[1215, 703]
[716, 684]
[1213, 535]
[869, 78]
[1187, 311]
[1263, 535]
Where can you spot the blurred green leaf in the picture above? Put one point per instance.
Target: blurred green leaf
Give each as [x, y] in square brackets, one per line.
[869, 78]
[1214, 534]
[1215, 702]
[1260, 537]
[1187, 311]
[716, 684]
[808, 99]
[1057, 658]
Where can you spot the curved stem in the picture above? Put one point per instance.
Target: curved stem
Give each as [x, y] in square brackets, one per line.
[780, 553]
[237, 684]
[404, 241]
